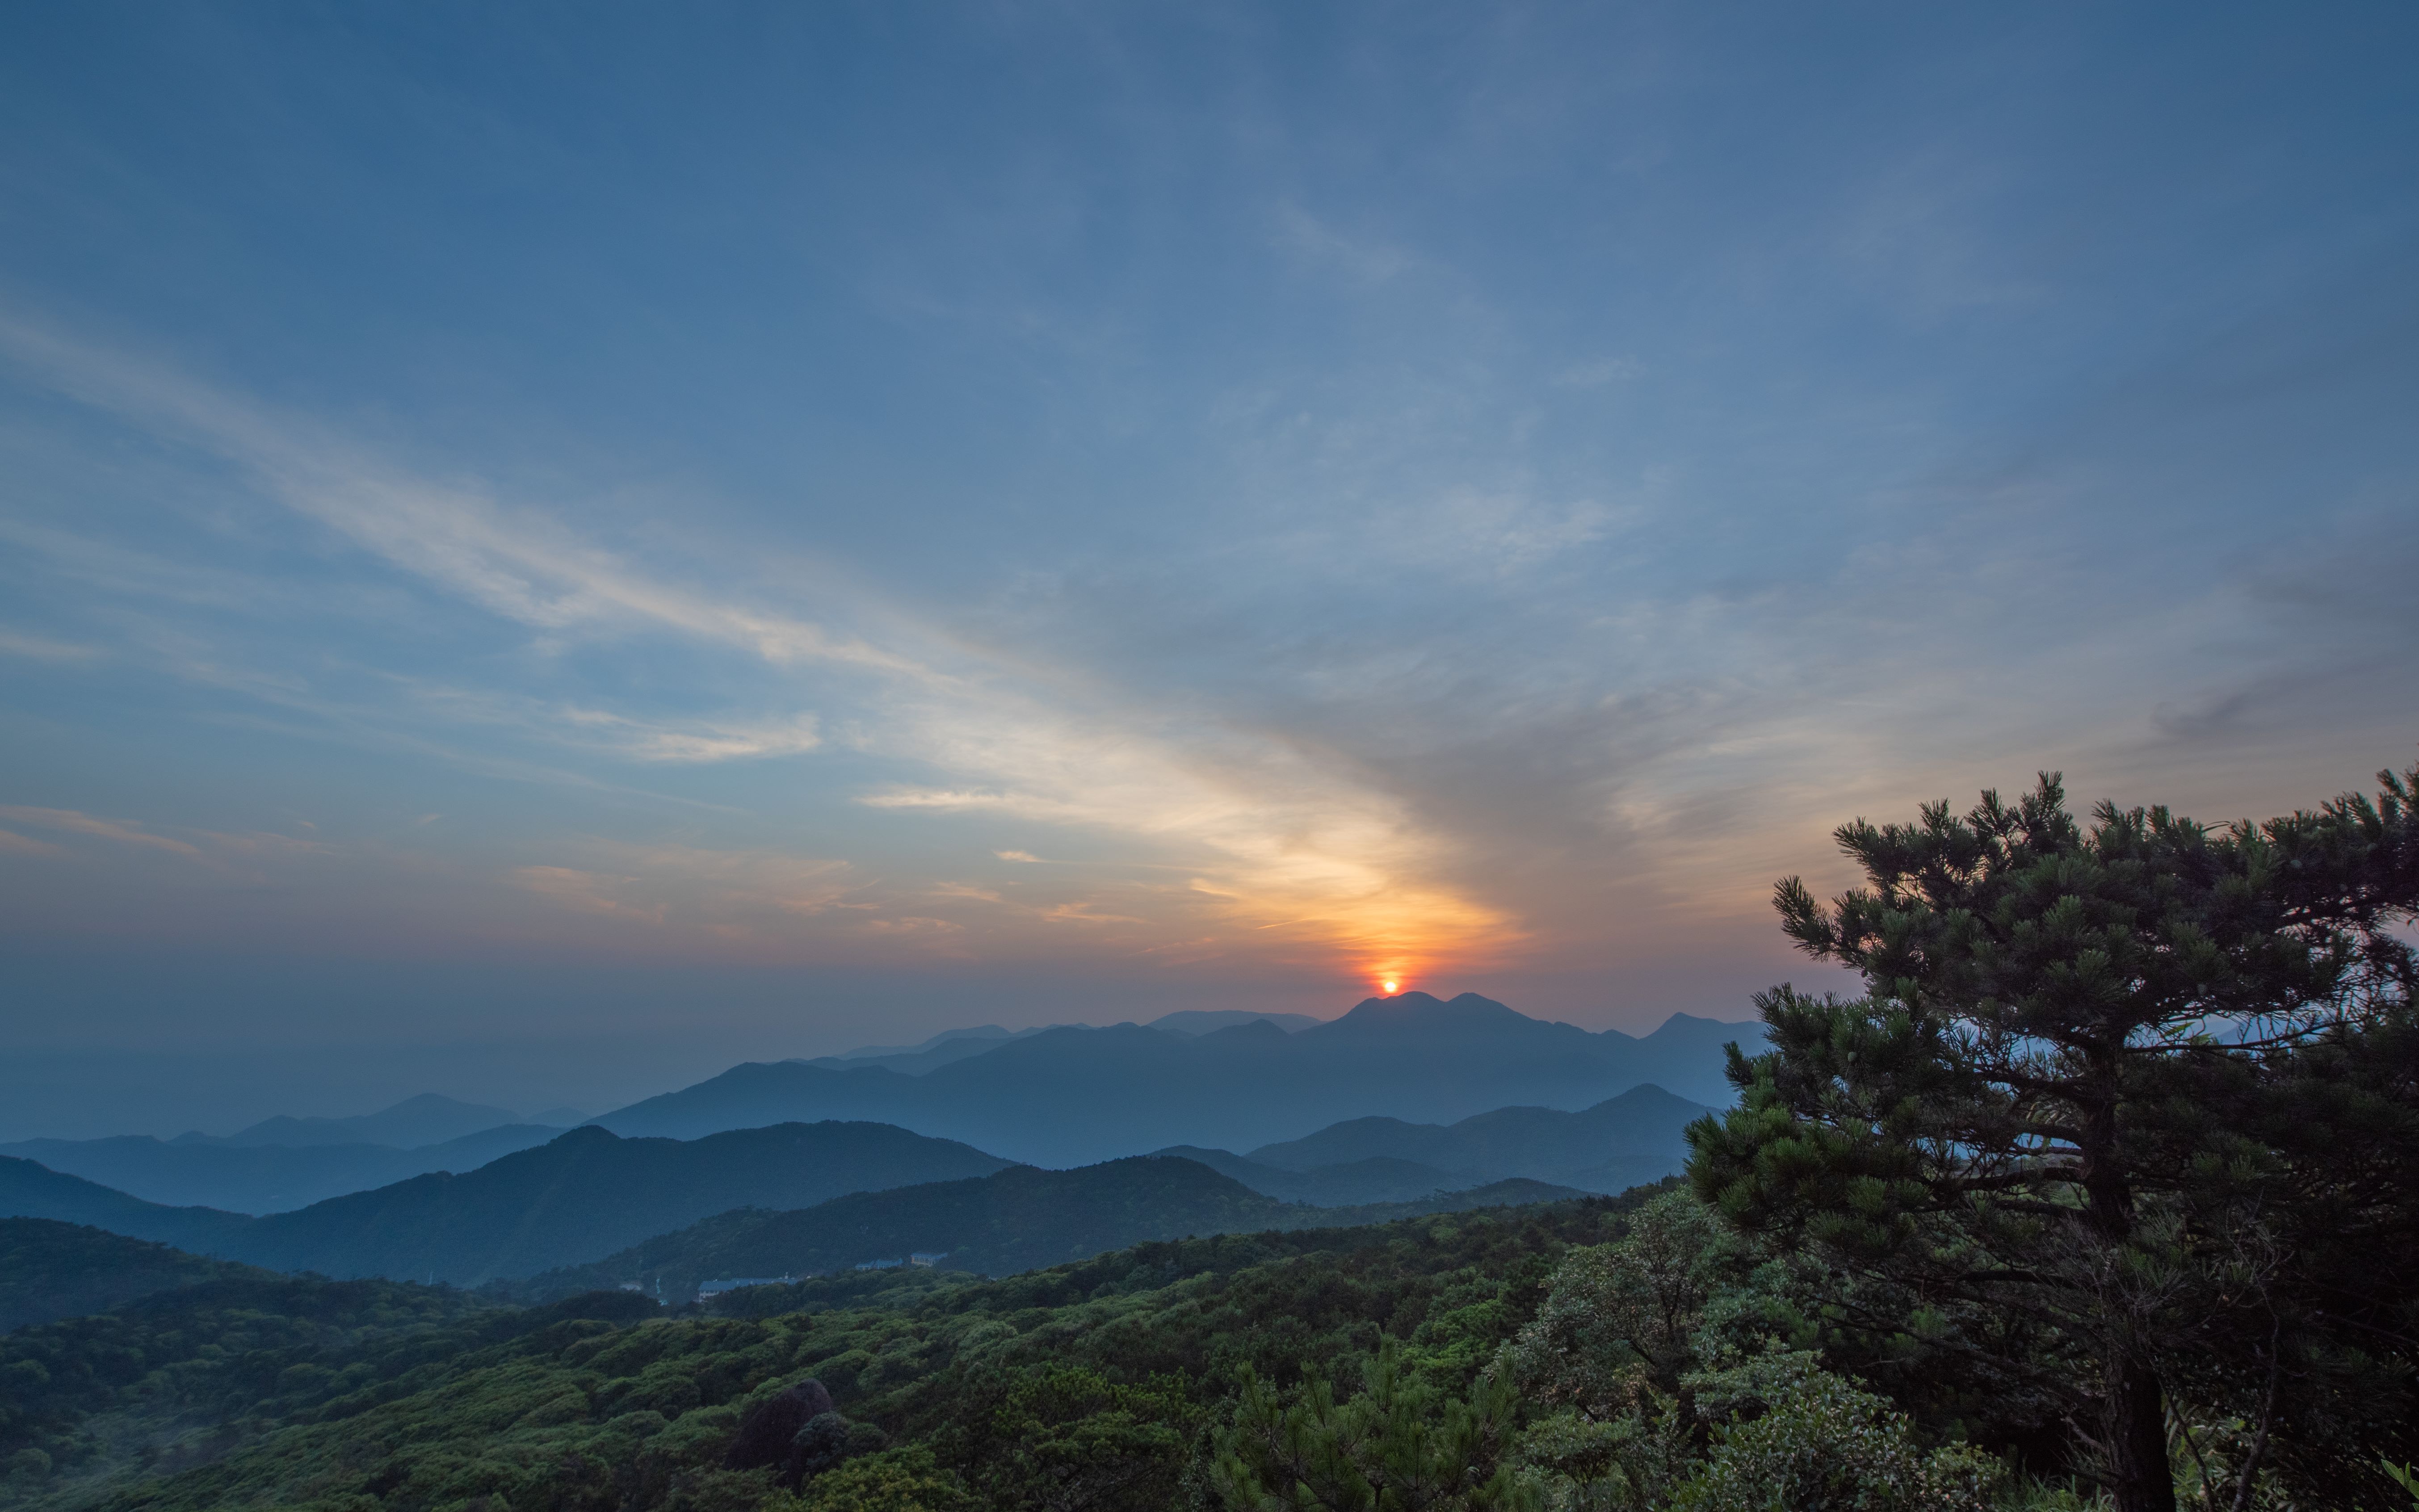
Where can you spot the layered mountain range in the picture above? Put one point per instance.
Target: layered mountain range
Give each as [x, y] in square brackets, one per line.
[1399, 1105]
[1073, 1095]
[585, 1195]
[1215, 1081]
[256, 1179]
[1622, 1142]
[829, 1194]
[1021, 1219]
[411, 1124]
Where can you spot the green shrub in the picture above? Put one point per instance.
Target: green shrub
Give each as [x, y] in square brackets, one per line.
[895, 1480]
[1401, 1444]
[1817, 1443]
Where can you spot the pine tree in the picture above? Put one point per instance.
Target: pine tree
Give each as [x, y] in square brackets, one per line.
[2131, 1084]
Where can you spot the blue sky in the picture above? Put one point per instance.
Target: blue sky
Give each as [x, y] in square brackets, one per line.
[544, 550]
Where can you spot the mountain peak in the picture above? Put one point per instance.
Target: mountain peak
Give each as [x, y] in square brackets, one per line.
[1425, 1008]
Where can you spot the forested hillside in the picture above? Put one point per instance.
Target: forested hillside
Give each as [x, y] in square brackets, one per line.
[375, 1394]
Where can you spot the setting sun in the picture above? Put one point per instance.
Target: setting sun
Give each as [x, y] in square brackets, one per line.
[1389, 986]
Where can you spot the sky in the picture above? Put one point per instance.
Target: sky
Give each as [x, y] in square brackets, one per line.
[549, 549]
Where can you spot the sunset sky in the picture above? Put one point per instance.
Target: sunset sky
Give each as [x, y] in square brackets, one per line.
[545, 550]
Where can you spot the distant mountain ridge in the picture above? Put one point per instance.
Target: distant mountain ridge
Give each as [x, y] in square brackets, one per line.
[1347, 1184]
[1021, 1219]
[1631, 1140]
[410, 1124]
[1070, 1096]
[1624, 1141]
[258, 1179]
[585, 1195]
[29, 1190]
[963, 1044]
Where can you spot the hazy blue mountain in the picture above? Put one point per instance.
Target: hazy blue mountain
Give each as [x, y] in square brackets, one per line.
[586, 1193]
[980, 1032]
[51, 1270]
[414, 1122]
[1197, 1020]
[1622, 1142]
[1017, 1220]
[28, 1190]
[964, 1044]
[1073, 1095]
[264, 1177]
[1350, 1184]
[913, 1060]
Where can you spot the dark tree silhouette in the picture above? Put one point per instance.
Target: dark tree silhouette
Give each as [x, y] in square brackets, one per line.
[2151, 1087]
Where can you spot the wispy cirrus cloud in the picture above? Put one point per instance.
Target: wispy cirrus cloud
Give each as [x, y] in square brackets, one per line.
[692, 887]
[705, 742]
[41, 648]
[588, 892]
[1253, 829]
[519, 563]
[123, 831]
[692, 740]
[16, 844]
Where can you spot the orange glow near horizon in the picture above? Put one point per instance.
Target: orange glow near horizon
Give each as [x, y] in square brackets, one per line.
[1391, 987]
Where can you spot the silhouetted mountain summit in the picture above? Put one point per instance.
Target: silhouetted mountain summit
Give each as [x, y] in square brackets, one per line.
[1417, 1011]
[1073, 1095]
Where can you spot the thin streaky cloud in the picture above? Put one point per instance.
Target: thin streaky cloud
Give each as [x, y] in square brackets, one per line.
[516, 563]
[124, 831]
[41, 648]
[1267, 829]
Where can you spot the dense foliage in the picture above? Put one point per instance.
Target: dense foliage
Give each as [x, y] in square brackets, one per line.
[1100, 1382]
[182, 1375]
